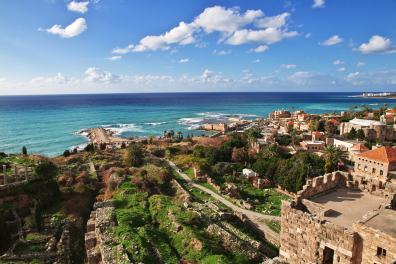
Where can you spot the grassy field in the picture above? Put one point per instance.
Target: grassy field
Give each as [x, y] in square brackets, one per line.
[266, 201]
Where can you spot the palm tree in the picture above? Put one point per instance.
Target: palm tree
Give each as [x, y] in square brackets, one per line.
[333, 156]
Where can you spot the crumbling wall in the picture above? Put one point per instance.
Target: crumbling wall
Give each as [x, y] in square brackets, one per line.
[304, 237]
[99, 240]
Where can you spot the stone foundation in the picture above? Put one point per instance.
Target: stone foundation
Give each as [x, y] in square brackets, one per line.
[99, 240]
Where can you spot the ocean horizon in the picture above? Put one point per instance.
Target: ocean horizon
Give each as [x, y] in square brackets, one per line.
[49, 124]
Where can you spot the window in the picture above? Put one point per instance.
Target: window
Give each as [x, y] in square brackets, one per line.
[373, 171]
[359, 167]
[381, 172]
[381, 252]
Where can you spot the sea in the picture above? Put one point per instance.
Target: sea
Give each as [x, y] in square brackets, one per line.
[50, 124]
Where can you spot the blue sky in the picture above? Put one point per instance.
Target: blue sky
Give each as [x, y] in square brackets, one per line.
[104, 46]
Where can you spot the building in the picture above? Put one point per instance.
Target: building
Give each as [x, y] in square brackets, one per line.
[372, 129]
[353, 147]
[249, 173]
[376, 166]
[313, 145]
[279, 114]
[333, 221]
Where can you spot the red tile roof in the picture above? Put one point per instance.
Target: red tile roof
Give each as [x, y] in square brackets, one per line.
[359, 147]
[383, 154]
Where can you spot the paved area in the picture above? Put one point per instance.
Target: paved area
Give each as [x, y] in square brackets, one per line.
[384, 221]
[347, 206]
[255, 217]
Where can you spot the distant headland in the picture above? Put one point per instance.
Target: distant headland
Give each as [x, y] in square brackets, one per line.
[387, 95]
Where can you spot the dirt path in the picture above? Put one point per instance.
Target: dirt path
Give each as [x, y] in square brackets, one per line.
[257, 218]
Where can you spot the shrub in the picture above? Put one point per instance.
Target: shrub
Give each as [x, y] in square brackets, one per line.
[134, 155]
[46, 170]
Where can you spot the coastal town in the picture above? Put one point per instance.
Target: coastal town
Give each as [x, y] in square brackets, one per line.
[291, 187]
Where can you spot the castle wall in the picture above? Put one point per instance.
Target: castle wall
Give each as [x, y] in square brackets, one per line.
[322, 184]
[304, 238]
[371, 239]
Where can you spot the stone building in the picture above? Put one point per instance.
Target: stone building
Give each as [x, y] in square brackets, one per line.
[279, 114]
[372, 129]
[376, 166]
[313, 145]
[332, 221]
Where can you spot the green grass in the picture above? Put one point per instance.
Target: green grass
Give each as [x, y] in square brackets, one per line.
[266, 201]
[189, 172]
[34, 236]
[209, 186]
[273, 225]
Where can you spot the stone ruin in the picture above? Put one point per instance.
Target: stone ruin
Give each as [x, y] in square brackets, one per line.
[19, 174]
[313, 233]
[100, 242]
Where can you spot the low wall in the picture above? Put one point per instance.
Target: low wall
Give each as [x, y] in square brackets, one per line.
[322, 184]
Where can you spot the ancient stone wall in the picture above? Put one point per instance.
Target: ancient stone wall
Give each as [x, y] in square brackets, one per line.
[304, 238]
[371, 239]
[99, 240]
[322, 184]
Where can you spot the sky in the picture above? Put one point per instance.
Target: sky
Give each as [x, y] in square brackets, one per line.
[121, 46]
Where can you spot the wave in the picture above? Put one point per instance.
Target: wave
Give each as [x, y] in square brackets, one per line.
[155, 123]
[119, 129]
[193, 123]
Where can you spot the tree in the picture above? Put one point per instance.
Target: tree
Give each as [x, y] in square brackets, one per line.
[352, 134]
[360, 134]
[134, 155]
[66, 153]
[239, 155]
[24, 150]
[330, 128]
[333, 156]
[46, 170]
[90, 147]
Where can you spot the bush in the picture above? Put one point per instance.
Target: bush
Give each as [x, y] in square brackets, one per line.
[66, 153]
[46, 170]
[134, 155]
[24, 150]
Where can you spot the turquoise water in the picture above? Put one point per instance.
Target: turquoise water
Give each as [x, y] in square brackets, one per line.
[50, 124]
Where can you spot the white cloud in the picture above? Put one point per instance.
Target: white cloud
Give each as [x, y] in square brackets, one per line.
[235, 28]
[318, 4]
[94, 74]
[260, 48]
[125, 50]
[218, 18]
[334, 40]
[360, 64]
[114, 58]
[308, 35]
[57, 79]
[338, 62]
[211, 77]
[342, 69]
[377, 44]
[80, 7]
[288, 66]
[256, 61]
[273, 21]
[184, 60]
[268, 36]
[95, 80]
[181, 35]
[72, 30]
[222, 52]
